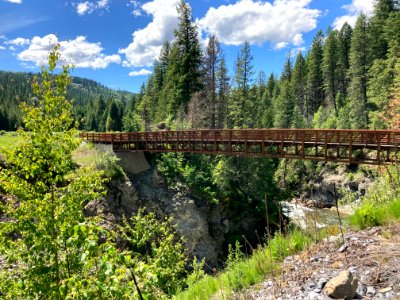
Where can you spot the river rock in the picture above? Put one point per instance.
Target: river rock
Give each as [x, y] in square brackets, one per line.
[343, 286]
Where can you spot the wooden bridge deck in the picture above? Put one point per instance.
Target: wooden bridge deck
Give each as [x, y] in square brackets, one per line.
[349, 146]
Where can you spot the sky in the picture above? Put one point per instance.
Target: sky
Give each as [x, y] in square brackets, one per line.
[116, 42]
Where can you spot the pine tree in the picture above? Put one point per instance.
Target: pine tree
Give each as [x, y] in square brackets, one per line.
[114, 118]
[284, 102]
[267, 102]
[211, 63]
[329, 68]
[287, 69]
[343, 63]
[315, 94]
[358, 74]
[378, 44]
[391, 113]
[240, 102]
[299, 81]
[223, 93]
[100, 114]
[189, 58]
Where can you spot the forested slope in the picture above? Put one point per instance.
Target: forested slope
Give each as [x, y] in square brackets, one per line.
[88, 97]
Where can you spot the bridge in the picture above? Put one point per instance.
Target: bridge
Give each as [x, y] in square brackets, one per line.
[374, 147]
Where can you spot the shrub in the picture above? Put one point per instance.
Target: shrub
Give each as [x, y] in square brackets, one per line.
[368, 215]
[108, 163]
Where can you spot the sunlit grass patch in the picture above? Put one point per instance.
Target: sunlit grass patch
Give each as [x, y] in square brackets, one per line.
[85, 155]
[242, 272]
[382, 204]
[7, 141]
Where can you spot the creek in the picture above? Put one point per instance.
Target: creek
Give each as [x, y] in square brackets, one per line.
[307, 218]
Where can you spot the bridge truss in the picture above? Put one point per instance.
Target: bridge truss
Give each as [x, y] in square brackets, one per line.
[373, 147]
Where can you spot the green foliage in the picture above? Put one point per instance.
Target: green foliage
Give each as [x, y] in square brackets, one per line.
[359, 64]
[291, 173]
[107, 162]
[159, 257]
[314, 76]
[193, 170]
[240, 106]
[368, 215]
[382, 204]
[16, 87]
[49, 249]
[45, 193]
[242, 272]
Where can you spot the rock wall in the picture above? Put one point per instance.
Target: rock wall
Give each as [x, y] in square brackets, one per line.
[320, 190]
[202, 225]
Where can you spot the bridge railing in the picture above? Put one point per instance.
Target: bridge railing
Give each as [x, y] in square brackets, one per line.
[317, 136]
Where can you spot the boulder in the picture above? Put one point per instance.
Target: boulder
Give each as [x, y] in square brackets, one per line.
[343, 286]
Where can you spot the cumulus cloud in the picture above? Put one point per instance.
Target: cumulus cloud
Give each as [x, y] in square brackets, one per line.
[88, 7]
[142, 72]
[282, 22]
[136, 8]
[147, 42]
[18, 41]
[79, 52]
[14, 1]
[2, 48]
[353, 10]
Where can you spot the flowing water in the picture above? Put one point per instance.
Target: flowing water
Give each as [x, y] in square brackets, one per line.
[306, 217]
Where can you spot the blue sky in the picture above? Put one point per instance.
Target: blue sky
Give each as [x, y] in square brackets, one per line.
[116, 41]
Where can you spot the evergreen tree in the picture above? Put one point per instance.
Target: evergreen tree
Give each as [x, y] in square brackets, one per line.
[189, 57]
[358, 74]
[299, 81]
[211, 63]
[329, 69]
[222, 93]
[315, 94]
[267, 102]
[287, 69]
[343, 63]
[240, 102]
[284, 102]
[378, 44]
[100, 114]
[114, 118]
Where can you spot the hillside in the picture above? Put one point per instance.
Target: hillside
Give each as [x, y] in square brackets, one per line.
[15, 87]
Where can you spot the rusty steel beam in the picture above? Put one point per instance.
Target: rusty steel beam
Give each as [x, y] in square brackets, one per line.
[348, 146]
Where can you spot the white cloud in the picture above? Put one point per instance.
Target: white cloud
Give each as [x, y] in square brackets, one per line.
[88, 7]
[147, 42]
[282, 23]
[102, 4]
[353, 10]
[142, 72]
[18, 41]
[79, 52]
[136, 8]
[2, 48]
[14, 1]
[84, 8]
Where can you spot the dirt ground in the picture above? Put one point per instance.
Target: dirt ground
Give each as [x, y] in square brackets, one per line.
[372, 255]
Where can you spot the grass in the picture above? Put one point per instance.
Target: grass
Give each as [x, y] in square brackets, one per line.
[8, 140]
[381, 205]
[370, 214]
[242, 272]
[85, 155]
